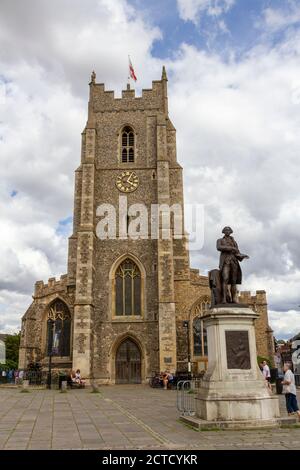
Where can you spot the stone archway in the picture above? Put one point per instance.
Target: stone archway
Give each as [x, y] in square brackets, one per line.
[128, 363]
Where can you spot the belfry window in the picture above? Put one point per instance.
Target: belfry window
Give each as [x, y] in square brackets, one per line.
[127, 152]
[58, 329]
[128, 289]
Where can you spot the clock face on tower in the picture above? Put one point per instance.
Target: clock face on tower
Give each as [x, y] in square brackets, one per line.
[127, 182]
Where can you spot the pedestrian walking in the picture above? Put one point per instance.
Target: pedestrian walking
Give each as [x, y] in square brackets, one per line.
[289, 389]
[267, 374]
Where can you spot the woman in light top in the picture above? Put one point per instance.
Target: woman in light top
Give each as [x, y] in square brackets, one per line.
[78, 378]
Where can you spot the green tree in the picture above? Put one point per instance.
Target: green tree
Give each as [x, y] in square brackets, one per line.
[12, 344]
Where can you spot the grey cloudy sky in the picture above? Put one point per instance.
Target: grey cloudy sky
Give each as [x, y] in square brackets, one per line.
[236, 110]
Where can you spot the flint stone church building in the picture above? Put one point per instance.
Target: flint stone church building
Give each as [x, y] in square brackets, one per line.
[118, 314]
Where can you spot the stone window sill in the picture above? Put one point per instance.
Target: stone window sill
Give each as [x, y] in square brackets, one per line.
[127, 318]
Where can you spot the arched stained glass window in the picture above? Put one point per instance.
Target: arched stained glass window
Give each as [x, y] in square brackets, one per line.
[199, 333]
[127, 151]
[58, 329]
[199, 338]
[128, 288]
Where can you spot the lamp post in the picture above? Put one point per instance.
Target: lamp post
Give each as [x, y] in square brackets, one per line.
[186, 325]
[50, 349]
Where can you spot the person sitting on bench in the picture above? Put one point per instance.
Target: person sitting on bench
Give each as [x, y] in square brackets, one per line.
[70, 378]
[167, 379]
[74, 379]
[78, 378]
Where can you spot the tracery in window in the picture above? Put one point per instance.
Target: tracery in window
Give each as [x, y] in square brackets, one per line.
[128, 288]
[58, 329]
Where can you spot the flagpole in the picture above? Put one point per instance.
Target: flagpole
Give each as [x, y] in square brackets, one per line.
[131, 71]
[128, 77]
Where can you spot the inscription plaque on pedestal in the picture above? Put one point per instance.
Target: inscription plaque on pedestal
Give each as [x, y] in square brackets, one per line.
[237, 350]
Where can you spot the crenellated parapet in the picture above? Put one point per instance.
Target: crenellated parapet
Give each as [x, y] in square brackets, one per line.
[53, 286]
[104, 101]
[259, 298]
[197, 278]
[154, 98]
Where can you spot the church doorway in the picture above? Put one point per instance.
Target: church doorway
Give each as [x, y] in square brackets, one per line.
[128, 363]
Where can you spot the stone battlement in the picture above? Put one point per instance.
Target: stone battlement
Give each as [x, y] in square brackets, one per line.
[154, 98]
[41, 289]
[246, 297]
[103, 100]
[197, 278]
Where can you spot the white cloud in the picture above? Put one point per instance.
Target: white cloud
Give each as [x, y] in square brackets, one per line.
[68, 39]
[285, 324]
[11, 304]
[40, 125]
[282, 291]
[275, 19]
[192, 10]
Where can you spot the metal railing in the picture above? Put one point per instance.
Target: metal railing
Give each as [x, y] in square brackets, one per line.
[36, 378]
[186, 396]
[41, 378]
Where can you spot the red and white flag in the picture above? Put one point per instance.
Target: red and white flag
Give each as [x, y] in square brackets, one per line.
[131, 70]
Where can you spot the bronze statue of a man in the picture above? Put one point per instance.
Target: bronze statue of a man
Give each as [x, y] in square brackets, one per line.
[230, 270]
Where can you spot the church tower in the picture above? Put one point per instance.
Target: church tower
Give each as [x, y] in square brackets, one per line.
[124, 295]
[130, 305]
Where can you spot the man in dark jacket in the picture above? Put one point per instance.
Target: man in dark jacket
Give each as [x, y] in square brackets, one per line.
[230, 269]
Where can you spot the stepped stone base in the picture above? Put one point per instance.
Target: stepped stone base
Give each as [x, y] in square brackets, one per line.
[203, 425]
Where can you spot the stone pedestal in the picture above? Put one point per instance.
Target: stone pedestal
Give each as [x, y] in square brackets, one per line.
[233, 391]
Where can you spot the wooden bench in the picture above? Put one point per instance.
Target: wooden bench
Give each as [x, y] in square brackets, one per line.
[72, 384]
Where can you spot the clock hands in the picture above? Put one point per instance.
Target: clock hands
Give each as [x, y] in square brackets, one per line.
[134, 182]
[128, 180]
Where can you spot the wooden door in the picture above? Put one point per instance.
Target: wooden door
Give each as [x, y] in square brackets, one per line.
[128, 363]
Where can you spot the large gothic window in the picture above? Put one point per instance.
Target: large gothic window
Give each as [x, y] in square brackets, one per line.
[128, 289]
[58, 329]
[127, 147]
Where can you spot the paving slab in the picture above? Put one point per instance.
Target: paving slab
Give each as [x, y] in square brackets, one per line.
[120, 417]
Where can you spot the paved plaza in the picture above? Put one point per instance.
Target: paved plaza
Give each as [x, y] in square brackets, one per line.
[119, 417]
